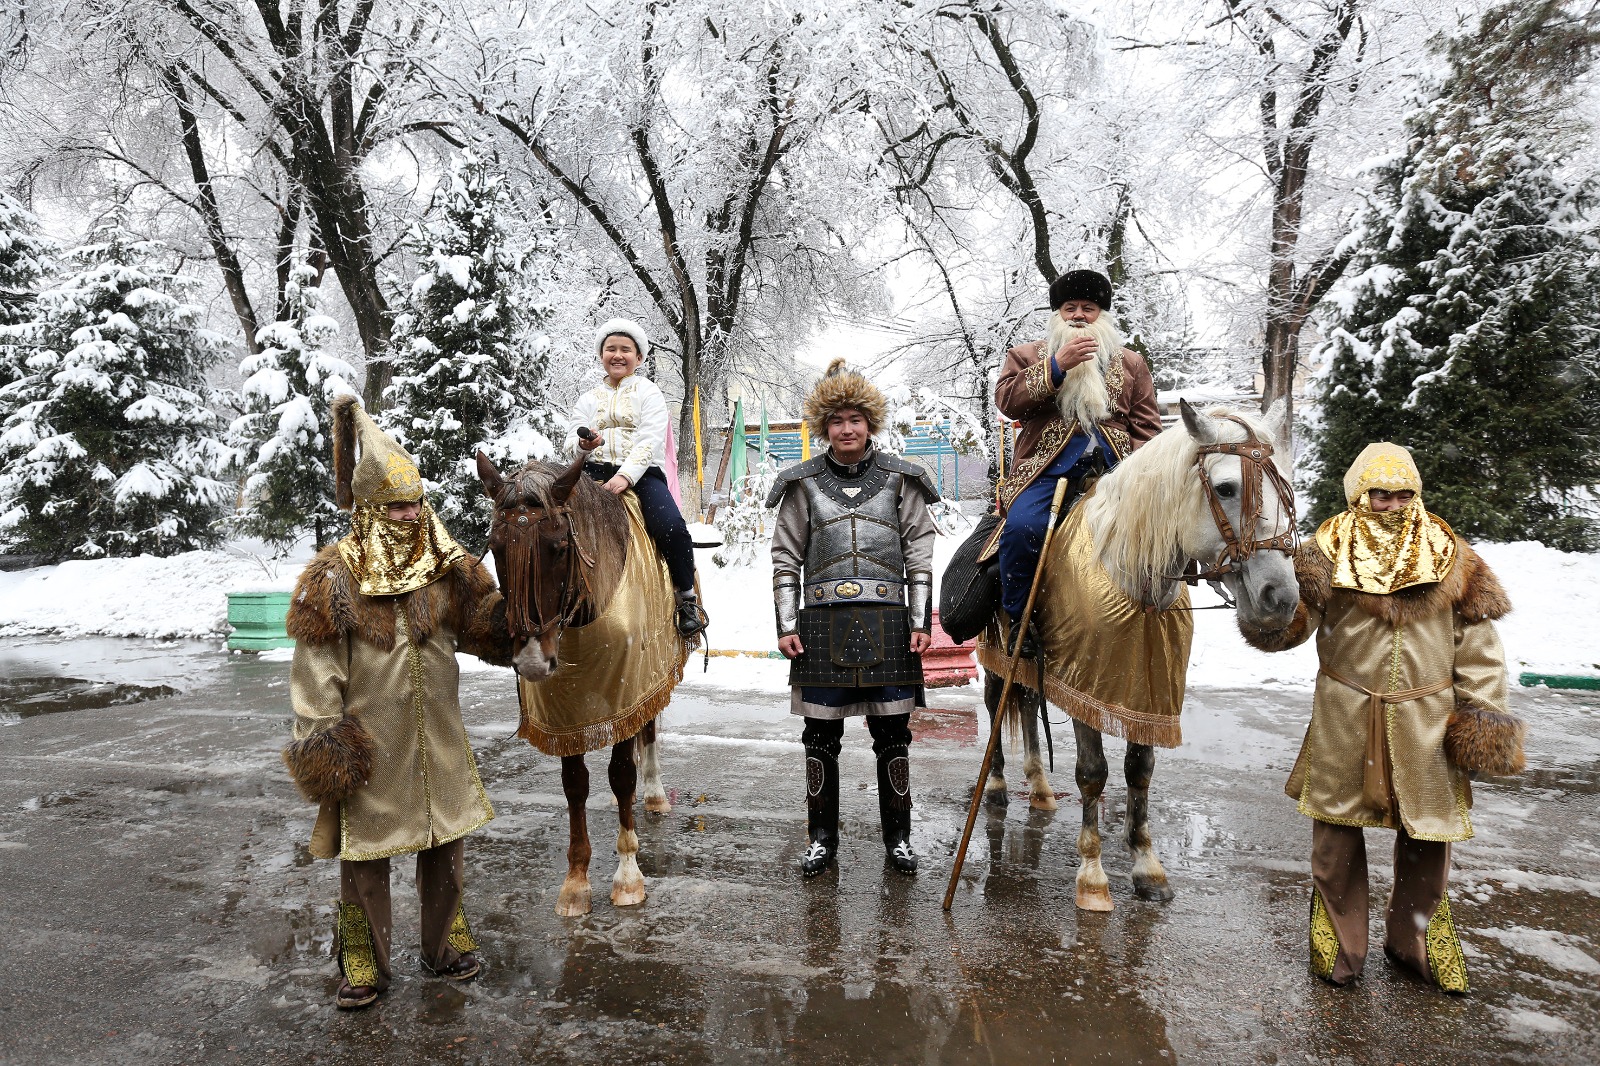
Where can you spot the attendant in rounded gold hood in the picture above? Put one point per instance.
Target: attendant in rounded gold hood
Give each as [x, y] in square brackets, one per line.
[1410, 705]
[378, 739]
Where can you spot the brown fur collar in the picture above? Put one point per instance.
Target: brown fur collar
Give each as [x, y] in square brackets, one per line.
[1470, 588]
[327, 605]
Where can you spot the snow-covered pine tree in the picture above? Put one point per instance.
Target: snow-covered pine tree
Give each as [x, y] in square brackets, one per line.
[1466, 327]
[465, 374]
[284, 431]
[112, 447]
[23, 256]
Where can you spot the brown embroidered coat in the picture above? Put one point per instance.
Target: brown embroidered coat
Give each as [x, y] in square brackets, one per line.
[378, 736]
[1026, 393]
[1414, 639]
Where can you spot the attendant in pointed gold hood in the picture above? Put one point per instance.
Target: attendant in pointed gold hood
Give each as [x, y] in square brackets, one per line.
[379, 743]
[1411, 702]
[396, 542]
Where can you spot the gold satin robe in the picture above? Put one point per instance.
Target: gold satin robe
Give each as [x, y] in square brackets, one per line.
[424, 790]
[1391, 643]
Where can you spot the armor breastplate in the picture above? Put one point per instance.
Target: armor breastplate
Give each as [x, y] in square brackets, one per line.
[854, 555]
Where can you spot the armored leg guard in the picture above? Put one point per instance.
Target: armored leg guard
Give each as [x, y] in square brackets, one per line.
[894, 806]
[822, 810]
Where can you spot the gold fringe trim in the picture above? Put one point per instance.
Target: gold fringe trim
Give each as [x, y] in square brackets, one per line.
[604, 734]
[1136, 727]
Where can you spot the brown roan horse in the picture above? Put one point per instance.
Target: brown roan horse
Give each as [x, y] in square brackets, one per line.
[560, 542]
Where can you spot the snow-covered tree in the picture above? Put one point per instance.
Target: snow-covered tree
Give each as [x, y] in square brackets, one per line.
[285, 431]
[1467, 329]
[465, 376]
[113, 447]
[23, 256]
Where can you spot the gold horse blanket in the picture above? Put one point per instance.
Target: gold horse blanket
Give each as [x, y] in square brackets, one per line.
[1109, 663]
[616, 673]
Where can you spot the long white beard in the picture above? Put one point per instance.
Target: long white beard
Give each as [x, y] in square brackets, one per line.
[1083, 397]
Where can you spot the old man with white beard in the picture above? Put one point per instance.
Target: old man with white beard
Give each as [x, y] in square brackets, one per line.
[1084, 402]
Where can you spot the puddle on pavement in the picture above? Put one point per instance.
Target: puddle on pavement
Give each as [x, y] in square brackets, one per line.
[24, 697]
[50, 675]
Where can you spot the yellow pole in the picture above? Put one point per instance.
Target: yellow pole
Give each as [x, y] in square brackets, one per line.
[699, 447]
[805, 442]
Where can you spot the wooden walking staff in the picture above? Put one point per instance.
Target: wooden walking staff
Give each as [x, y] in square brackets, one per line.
[1005, 691]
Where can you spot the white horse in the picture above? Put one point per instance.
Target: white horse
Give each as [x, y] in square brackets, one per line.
[1146, 519]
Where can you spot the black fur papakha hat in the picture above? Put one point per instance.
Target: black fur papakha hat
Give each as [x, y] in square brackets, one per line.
[1081, 285]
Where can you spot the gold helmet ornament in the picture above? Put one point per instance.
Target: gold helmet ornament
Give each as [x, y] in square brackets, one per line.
[1385, 551]
[388, 556]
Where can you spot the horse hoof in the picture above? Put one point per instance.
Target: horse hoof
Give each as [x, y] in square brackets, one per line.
[1042, 801]
[1095, 899]
[627, 896]
[658, 805]
[1154, 891]
[997, 796]
[574, 901]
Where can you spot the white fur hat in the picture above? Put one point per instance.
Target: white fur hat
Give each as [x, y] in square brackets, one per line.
[628, 328]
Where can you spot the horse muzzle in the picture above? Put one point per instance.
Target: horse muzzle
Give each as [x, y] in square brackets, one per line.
[537, 660]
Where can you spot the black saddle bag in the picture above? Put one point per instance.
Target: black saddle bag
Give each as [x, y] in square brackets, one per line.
[969, 591]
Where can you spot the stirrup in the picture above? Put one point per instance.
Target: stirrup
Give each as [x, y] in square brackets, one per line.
[691, 618]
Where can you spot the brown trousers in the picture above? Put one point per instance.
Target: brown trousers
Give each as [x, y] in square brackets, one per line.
[1339, 876]
[439, 882]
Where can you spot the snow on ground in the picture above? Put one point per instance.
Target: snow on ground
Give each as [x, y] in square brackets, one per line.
[1554, 628]
[180, 596]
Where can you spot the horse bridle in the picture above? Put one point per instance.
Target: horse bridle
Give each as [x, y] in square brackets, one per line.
[1255, 462]
[525, 578]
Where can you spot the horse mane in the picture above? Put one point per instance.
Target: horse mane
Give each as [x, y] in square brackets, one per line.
[1142, 512]
[599, 518]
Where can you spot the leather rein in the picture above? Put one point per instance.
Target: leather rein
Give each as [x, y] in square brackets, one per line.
[526, 577]
[1256, 466]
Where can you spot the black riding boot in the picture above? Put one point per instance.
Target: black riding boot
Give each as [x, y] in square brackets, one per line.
[822, 811]
[894, 806]
[690, 617]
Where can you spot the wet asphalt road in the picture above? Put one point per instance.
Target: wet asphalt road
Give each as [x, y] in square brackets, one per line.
[163, 909]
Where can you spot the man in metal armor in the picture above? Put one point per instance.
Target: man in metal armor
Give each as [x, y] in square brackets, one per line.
[852, 574]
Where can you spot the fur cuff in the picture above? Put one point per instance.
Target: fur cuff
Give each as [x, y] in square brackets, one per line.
[1490, 742]
[1290, 636]
[331, 765]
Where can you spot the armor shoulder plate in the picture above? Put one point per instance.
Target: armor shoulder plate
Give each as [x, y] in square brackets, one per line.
[914, 473]
[789, 475]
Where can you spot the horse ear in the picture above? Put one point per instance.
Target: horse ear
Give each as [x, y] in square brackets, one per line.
[1277, 419]
[489, 474]
[1200, 428]
[562, 487]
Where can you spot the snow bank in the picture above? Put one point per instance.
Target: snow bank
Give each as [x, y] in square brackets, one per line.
[1554, 629]
[181, 596]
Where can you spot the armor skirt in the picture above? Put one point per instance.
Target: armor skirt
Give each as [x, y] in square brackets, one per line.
[858, 660]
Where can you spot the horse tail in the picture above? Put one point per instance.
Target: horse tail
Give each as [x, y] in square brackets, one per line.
[1011, 717]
